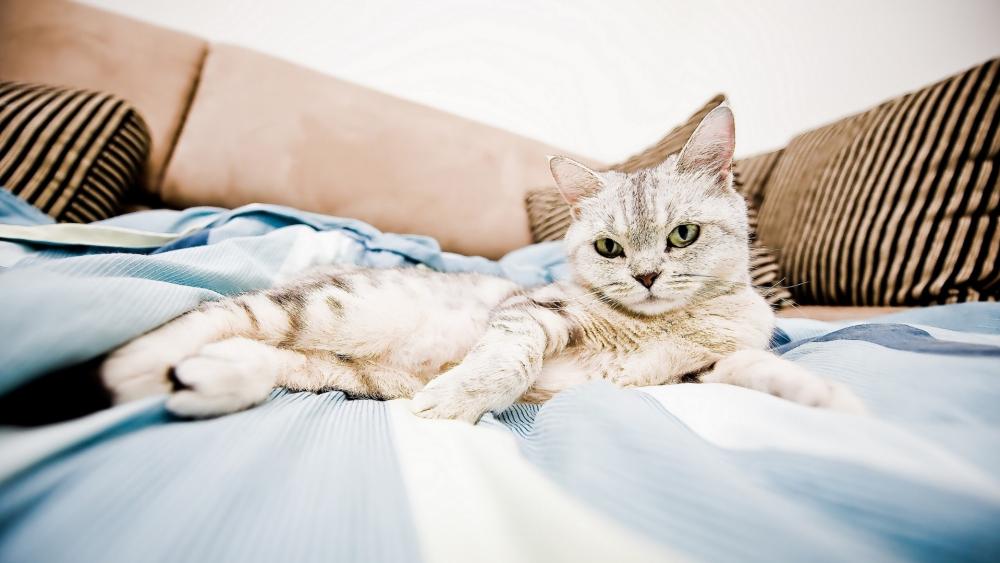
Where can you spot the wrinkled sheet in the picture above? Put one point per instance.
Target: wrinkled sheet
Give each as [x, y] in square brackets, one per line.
[682, 472]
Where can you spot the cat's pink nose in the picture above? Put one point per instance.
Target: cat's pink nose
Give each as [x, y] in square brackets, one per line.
[647, 279]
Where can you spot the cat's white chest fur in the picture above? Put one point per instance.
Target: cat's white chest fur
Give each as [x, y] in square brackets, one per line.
[568, 370]
[631, 352]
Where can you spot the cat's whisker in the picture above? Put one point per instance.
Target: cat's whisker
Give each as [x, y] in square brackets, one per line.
[597, 293]
[759, 286]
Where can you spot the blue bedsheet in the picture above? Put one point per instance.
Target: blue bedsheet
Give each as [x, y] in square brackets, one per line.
[683, 472]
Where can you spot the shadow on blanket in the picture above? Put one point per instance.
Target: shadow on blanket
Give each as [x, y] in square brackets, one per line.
[61, 395]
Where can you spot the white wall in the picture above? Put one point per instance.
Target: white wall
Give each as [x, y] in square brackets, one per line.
[605, 78]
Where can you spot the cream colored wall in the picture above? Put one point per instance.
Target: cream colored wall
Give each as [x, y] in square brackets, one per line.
[607, 78]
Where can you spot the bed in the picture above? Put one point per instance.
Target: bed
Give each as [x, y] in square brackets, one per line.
[673, 473]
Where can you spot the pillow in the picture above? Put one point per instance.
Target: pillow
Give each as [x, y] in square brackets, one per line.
[896, 206]
[549, 215]
[71, 153]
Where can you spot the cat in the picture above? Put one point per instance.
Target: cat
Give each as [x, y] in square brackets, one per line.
[660, 293]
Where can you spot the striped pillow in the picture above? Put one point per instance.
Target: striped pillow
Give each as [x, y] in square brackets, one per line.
[897, 206]
[549, 216]
[71, 153]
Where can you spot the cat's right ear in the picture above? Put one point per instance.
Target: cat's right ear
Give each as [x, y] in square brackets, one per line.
[710, 148]
[575, 181]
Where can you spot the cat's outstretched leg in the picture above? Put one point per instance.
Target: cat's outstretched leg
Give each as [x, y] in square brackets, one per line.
[502, 365]
[763, 371]
[237, 373]
[139, 368]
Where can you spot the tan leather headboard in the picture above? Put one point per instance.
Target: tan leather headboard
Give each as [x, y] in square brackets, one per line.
[258, 129]
[263, 130]
[63, 43]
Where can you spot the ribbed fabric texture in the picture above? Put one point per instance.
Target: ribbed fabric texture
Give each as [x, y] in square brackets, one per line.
[636, 461]
[751, 175]
[549, 215]
[71, 153]
[586, 440]
[303, 478]
[898, 205]
[709, 471]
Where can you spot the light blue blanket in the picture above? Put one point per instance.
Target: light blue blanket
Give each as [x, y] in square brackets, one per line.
[90, 299]
[683, 472]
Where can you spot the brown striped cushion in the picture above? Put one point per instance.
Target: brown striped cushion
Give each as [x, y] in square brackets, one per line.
[896, 206]
[752, 174]
[549, 217]
[71, 153]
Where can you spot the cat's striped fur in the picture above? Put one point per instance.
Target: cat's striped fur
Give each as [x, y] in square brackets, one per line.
[465, 344]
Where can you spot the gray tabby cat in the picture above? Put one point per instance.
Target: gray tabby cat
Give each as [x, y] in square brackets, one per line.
[660, 294]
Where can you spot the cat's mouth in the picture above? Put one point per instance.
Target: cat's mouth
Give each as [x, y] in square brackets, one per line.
[652, 304]
[645, 303]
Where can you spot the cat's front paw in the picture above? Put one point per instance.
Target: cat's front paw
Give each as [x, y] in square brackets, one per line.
[223, 377]
[452, 395]
[763, 371]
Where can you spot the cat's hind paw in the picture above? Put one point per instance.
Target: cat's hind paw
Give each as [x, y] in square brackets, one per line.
[223, 377]
[138, 369]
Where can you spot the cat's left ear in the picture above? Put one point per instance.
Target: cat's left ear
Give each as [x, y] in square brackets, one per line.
[575, 181]
[710, 148]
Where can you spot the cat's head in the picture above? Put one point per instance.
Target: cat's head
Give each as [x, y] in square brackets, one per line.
[659, 239]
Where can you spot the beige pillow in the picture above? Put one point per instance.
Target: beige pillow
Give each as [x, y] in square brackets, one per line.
[895, 206]
[549, 215]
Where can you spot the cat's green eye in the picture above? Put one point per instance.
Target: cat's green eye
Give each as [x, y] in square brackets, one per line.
[608, 248]
[683, 235]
